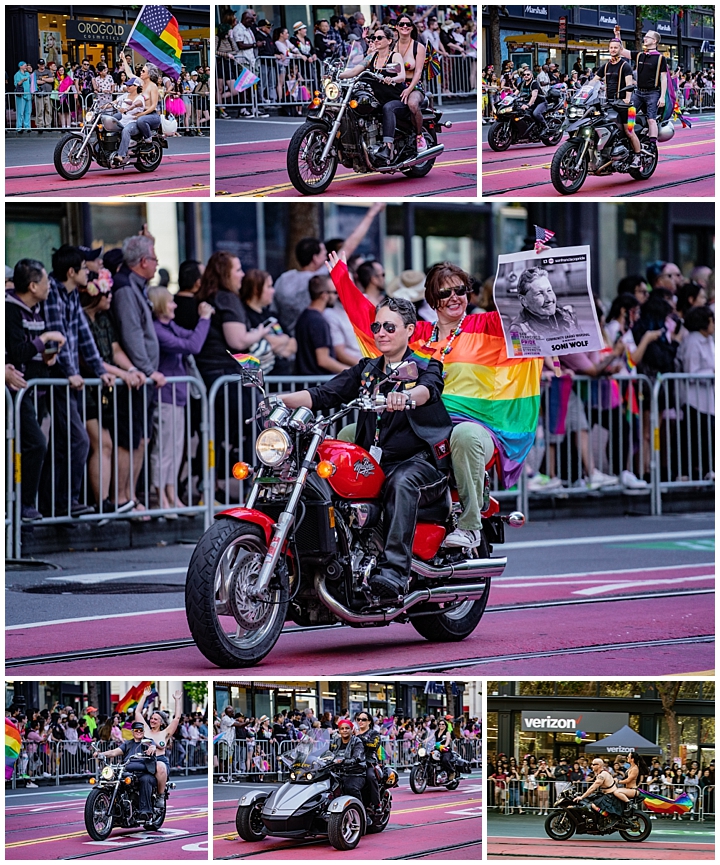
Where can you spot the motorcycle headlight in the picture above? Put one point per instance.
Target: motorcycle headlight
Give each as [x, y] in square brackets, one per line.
[89, 116]
[586, 131]
[273, 446]
[293, 776]
[332, 90]
[421, 752]
[435, 755]
[309, 776]
[504, 110]
[107, 773]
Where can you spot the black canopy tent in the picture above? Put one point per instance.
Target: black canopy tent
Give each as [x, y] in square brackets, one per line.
[623, 741]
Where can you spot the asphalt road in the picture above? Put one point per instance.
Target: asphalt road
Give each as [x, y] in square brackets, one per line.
[578, 597]
[250, 158]
[512, 835]
[686, 167]
[438, 824]
[47, 823]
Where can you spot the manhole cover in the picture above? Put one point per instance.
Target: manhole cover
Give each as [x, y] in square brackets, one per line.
[110, 588]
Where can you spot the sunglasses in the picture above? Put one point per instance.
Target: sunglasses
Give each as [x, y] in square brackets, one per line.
[376, 327]
[376, 38]
[404, 24]
[459, 290]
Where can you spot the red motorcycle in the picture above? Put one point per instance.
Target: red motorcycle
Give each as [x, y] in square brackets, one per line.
[310, 535]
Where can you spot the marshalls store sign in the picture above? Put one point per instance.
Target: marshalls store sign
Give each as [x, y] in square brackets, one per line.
[590, 722]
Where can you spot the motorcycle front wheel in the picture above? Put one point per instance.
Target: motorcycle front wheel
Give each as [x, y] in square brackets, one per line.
[248, 822]
[641, 828]
[345, 828]
[649, 164]
[418, 779]
[559, 826]
[423, 168]
[158, 817]
[223, 567]
[150, 159]
[69, 162]
[307, 173]
[567, 177]
[499, 137]
[98, 819]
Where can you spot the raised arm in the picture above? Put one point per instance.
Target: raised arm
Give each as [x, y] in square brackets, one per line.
[141, 705]
[173, 725]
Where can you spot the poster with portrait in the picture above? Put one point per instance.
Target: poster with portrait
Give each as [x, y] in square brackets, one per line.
[546, 304]
[51, 46]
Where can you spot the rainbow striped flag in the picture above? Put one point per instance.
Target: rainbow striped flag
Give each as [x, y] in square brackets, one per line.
[661, 805]
[13, 744]
[482, 383]
[422, 356]
[244, 81]
[132, 697]
[156, 36]
[246, 361]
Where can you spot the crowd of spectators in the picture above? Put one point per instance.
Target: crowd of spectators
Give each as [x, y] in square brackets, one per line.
[54, 95]
[59, 740]
[288, 61]
[534, 783]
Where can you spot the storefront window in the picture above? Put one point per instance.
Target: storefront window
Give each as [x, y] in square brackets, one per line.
[492, 734]
[689, 691]
[640, 233]
[576, 689]
[708, 691]
[110, 224]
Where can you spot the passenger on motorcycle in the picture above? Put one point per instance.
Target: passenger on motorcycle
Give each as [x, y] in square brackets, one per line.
[160, 730]
[608, 801]
[638, 769]
[617, 74]
[384, 60]
[148, 119]
[531, 93]
[371, 742]
[146, 768]
[413, 448]
[652, 78]
[349, 754]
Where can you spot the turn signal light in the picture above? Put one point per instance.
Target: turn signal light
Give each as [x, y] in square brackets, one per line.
[92, 780]
[316, 92]
[128, 780]
[241, 471]
[326, 469]
[315, 102]
[353, 103]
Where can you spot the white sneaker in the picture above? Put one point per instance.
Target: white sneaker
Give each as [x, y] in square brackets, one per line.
[421, 143]
[632, 481]
[540, 483]
[30, 784]
[601, 479]
[463, 538]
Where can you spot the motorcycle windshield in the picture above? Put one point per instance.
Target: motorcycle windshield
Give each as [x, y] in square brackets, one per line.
[308, 751]
[587, 94]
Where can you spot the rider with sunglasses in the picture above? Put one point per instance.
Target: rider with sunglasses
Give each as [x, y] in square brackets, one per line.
[371, 742]
[531, 92]
[413, 447]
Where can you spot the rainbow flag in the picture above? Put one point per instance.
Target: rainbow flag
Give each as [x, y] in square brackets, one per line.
[13, 744]
[156, 36]
[482, 383]
[132, 697]
[422, 357]
[246, 361]
[244, 81]
[661, 805]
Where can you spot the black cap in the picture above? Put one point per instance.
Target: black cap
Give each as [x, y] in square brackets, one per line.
[90, 254]
[263, 22]
[138, 725]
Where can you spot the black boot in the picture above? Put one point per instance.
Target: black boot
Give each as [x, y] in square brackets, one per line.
[382, 154]
[387, 584]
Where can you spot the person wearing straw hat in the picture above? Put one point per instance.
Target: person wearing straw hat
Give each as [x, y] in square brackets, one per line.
[410, 285]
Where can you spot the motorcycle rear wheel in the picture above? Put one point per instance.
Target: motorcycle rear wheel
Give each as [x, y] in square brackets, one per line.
[418, 779]
[453, 785]
[552, 140]
[559, 826]
[67, 163]
[423, 168]
[380, 823]
[248, 822]
[149, 160]
[565, 177]
[642, 830]
[649, 164]
[98, 819]
[234, 550]
[158, 818]
[499, 137]
[307, 145]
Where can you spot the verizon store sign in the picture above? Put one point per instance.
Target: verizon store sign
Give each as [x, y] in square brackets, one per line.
[570, 722]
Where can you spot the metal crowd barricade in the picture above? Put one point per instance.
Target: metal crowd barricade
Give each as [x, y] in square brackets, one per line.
[186, 755]
[683, 423]
[470, 750]
[250, 758]
[512, 794]
[197, 112]
[707, 99]
[10, 514]
[160, 429]
[458, 78]
[48, 111]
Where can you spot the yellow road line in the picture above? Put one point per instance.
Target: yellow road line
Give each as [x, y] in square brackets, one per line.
[80, 834]
[280, 187]
[199, 188]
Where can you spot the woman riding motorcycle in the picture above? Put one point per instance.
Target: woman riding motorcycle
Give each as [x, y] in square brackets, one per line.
[160, 731]
[149, 119]
[371, 742]
[413, 53]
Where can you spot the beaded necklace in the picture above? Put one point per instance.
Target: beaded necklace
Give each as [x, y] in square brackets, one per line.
[435, 337]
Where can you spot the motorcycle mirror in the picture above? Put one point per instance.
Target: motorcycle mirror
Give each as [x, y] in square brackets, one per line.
[252, 378]
[407, 371]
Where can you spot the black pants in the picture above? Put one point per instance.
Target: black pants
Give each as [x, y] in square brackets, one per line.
[69, 433]
[147, 782]
[446, 761]
[372, 785]
[33, 447]
[352, 785]
[391, 111]
[409, 484]
[538, 112]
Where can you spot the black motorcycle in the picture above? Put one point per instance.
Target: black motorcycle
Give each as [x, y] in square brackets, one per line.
[311, 803]
[114, 800]
[598, 145]
[574, 818]
[100, 141]
[518, 126]
[428, 771]
[344, 126]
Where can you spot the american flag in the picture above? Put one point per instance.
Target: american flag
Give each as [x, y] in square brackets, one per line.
[543, 235]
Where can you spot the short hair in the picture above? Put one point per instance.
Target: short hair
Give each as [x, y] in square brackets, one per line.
[653, 271]
[686, 294]
[404, 308]
[318, 285]
[188, 274]
[527, 277]
[136, 248]
[158, 295]
[699, 318]
[335, 244]
[153, 72]
[307, 249]
[365, 272]
[624, 301]
[253, 283]
[27, 270]
[438, 275]
[628, 284]
[65, 258]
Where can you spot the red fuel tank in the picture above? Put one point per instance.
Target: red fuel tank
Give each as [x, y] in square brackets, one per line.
[357, 475]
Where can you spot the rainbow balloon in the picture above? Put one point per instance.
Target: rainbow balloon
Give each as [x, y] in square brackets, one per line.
[661, 805]
[13, 745]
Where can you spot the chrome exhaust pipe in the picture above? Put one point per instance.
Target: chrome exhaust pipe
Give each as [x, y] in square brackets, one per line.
[439, 595]
[479, 568]
[430, 153]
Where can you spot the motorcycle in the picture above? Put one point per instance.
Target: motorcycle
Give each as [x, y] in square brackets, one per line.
[100, 141]
[310, 535]
[311, 803]
[597, 142]
[517, 126]
[113, 802]
[428, 771]
[344, 126]
[569, 818]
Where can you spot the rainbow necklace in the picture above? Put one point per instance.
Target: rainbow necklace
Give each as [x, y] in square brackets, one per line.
[435, 337]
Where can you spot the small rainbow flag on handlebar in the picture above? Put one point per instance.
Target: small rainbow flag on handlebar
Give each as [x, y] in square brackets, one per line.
[422, 356]
[246, 361]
